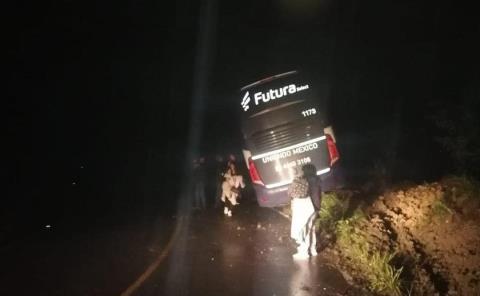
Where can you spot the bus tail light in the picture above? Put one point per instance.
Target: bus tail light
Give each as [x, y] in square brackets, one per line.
[254, 173]
[332, 149]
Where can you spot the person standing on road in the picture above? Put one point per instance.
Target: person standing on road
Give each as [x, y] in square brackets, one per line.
[199, 176]
[233, 177]
[305, 195]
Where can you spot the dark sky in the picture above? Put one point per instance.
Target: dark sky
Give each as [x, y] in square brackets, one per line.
[111, 85]
[383, 63]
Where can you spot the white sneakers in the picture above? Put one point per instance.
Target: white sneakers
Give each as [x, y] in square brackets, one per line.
[300, 256]
[227, 212]
[303, 253]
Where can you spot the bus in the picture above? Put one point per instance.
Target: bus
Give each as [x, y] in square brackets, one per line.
[284, 128]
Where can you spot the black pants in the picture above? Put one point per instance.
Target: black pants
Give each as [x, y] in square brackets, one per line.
[228, 204]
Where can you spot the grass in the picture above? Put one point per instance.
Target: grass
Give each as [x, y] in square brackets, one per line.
[440, 209]
[461, 188]
[333, 208]
[461, 194]
[382, 277]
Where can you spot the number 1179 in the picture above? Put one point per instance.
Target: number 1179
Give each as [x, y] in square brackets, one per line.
[309, 112]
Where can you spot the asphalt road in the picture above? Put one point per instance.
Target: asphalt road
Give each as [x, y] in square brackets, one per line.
[202, 253]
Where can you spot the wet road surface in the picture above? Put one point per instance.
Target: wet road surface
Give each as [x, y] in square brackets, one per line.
[247, 254]
[205, 253]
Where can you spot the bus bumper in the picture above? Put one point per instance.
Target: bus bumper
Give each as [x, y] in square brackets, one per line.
[274, 197]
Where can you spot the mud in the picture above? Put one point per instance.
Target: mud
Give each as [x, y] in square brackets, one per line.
[434, 230]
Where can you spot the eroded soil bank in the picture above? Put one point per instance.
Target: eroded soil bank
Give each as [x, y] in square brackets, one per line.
[428, 237]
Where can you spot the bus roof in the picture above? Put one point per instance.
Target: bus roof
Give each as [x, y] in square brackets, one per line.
[268, 79]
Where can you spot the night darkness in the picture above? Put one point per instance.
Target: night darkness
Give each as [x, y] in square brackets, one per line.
[100, 98]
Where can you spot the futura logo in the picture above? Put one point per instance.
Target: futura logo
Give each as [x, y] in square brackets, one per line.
[272, 94]
[245, 101]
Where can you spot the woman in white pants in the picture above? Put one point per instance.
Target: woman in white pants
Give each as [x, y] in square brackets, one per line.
[305, 196]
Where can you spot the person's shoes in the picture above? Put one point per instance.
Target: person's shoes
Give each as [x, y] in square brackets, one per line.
[313, 252]
[229, 214]
[300, 256]
[302, 253]
[225, 210]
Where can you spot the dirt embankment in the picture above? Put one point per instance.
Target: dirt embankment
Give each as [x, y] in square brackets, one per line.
[432, 232]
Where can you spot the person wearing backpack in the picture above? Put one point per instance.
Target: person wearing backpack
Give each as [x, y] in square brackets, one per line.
[305, 195]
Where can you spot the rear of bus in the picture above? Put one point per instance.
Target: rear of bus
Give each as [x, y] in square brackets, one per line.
[284, 129]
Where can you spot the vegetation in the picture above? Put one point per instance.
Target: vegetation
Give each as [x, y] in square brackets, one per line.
[440, 209]
[333, 208]
[382, 277]
[399, 223]
[462, 195]
[458, 127]
[461, 188]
